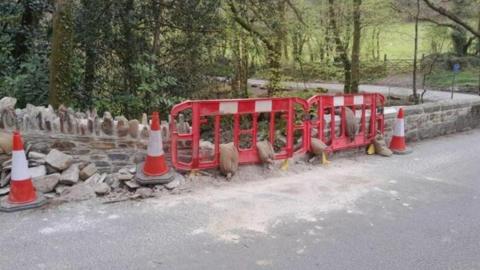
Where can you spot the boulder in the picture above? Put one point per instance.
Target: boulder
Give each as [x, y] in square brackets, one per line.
[228, 159]
[58, 160]
[122, 126]
[46, 183]
[88, 171]
[70, 176]
[265, 151]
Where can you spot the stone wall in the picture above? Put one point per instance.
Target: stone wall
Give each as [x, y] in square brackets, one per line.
[436, 119]
[112, 152]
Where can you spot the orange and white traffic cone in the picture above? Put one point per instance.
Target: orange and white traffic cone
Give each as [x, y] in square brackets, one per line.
[397, 144]
[154, 170]
[22, 193]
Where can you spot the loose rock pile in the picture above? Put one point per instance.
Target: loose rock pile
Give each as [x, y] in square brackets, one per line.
[60, 177]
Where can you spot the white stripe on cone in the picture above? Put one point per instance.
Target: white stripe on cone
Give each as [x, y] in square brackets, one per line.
[155, 145]
[399, 128]
[338, 101]
[19, 166]
[263, 106]
[228, 107]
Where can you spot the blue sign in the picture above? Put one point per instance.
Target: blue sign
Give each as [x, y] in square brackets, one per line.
[456, 68]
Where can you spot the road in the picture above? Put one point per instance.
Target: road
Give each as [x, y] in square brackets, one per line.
[431, 95]
[417, 211]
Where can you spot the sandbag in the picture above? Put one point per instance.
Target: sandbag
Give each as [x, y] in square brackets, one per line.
[352, 124]
[381, 146]
[228, 159]
[265, 152]
[318, 147]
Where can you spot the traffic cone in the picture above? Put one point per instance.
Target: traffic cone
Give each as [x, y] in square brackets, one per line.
[154, 170]
[397, 144]
[22, 193]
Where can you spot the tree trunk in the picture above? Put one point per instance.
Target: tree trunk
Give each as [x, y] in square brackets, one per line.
[356, 46]
[61, 55]
[415, 50]
[340, 49]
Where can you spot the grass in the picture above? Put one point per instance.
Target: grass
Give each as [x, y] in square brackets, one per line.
[397, 41]
[466, 79]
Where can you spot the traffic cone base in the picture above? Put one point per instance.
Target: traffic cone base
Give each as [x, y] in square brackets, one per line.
[144, 179]
[7, 206]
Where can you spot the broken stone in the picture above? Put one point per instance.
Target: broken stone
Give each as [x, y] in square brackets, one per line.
[58, 160]
[133, 127]
[50, 195]
[88, 171]
[93, 179]
[144, 119]
[103, 177]
[101, 189]
[36, 155]
[46, 183]
[5, 178]
[132, 184]
[70, 176]
[144, 192]
[124, 176]
[59, 189]
[80, 192]
[4, 191]
[173, 184]
[37, 171]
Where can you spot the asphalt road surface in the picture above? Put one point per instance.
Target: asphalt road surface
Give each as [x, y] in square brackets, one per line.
[418, 211]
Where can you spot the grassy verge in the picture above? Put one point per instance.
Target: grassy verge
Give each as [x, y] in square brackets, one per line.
[465, 80]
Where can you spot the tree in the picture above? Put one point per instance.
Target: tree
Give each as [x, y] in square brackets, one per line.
[452, 17]
[415, 52]
[265, 20]
[356, 45]
[61, 55]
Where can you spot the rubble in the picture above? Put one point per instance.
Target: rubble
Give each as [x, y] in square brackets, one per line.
[46, 183]
[70, 176]
[132, 184]
[144, 192]
[88, 171]
[58, 160]
[79, 192]
[4, 191]
[102, 189]
[38, 171]
[173, 184]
